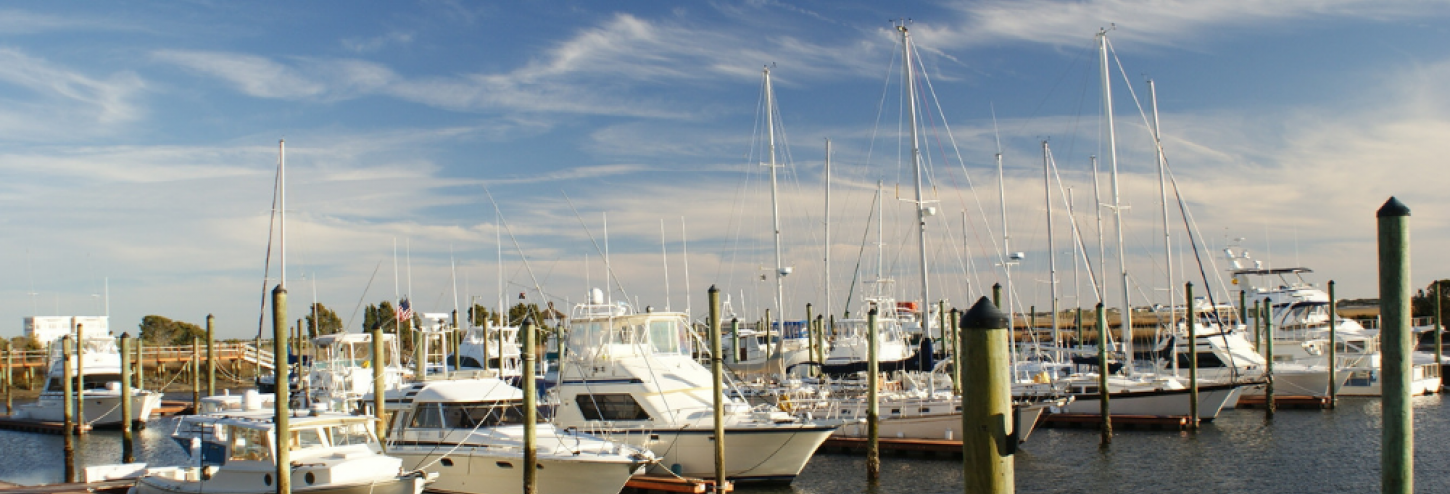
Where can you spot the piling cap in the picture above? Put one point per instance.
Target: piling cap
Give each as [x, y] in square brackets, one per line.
[1393, 207]
[713, 289]
[984, 315]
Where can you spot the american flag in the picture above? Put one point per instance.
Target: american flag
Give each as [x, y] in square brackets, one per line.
[404, 311]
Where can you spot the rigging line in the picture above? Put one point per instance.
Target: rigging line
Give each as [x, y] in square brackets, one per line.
[737, 212]
[267, 262]
[515, 240]
[609, 269]
[856, 273]
[362, 297]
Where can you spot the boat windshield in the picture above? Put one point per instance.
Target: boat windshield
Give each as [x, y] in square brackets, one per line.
[249, 444]
[468, 415]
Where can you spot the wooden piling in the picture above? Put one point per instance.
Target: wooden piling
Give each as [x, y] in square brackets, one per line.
[1439, 344]
[735, 340]
[1398, 441]
[997, 295]
[80, 378]
[210, 356]
[718, 398]
[873, 414]
[988, 435]
[280, 368]
[378, 365]
[9, 380]
[69, 404]
[531, 452]
[195, 375]
[1333, 362]
[128, 439]
[1106, 431]
[1192, 360]
[956, 353]
[1267, 315]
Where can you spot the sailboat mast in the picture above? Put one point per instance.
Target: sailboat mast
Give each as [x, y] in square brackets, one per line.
[1127, 311]
[1163, 201]
[1100, 283]
[1051, 251]
[827, 242]
[921, 209]
[774, 201]
[1006, 239]
[282, 206]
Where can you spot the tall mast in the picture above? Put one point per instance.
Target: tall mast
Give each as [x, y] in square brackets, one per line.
[1163, 200]
[921, 209]
[1006, 240]
[282, 206]
[1127, 310]
[780, 271]
[1100, 284]
[1051, 252]
[827, 242]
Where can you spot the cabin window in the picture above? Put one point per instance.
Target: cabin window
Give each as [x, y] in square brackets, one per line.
[662, 335]
[616, 406]
[427, 416]
[488, 414]
[349, 434]
[1206, 360]
[249, 444]
[306, 438]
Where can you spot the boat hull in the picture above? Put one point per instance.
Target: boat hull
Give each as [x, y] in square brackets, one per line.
[402, 485]
[936, 426]
[471, 470]
[107, 405]
[764, 455]
[1211, 400]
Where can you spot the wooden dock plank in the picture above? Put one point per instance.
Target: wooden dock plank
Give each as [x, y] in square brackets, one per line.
[1087, 421]
[663, 483]
[1285, 402]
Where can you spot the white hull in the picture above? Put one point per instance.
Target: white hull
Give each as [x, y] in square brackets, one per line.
[473, 470]
[755, 454]
[1211, 400]
[939, 426]
[102, 409]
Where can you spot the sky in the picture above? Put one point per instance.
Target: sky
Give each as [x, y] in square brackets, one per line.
[427, 140]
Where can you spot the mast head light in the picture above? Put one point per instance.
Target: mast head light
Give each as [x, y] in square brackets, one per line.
[786, 271]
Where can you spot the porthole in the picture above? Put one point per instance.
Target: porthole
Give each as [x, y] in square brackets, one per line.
[504, 464]
[447, 462]
[267, 479]
[310, 478]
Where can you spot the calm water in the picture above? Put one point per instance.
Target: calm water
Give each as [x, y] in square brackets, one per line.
[1299, 451]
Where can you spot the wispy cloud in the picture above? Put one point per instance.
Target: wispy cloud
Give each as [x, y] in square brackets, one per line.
[375, 43]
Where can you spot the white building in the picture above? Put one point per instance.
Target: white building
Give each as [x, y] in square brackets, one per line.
[46, 329]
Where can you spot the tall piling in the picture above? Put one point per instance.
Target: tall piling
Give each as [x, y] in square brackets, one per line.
[210, 355]
[956, 353]
[716, 372]
[69, 414]
[810, 332]
[1398, 440]
[128, 438]
[280, 368]
[531, 452]
[735, 340]
[997, 295]
[378, 364]
[80, 377]
[1439, 337]
[873, 412]
[1333, 362]
[1266, 313]
[1106, 430]
[1192, 359]
[10, 379]
[989, 439]
[195, 375]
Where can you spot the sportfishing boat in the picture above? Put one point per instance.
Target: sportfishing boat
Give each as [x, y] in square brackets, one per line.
[235, 452]
[633, 378]
[342, 369]
[100, 388]
[470, 433]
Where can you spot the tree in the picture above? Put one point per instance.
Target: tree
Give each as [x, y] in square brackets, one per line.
[1423, 303]
[478, 314]
[158, 330]
[518, 312]
[328, 322]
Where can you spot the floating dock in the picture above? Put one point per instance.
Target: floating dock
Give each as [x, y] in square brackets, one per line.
[893, 445]
[28, 425]
[1286, 402]
[1126, 422]
[669, 483]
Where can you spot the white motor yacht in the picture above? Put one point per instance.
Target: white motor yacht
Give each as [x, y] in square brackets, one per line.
[101, 388]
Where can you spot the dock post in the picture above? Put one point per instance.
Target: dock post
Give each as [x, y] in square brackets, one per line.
[284, 391]
[820, 355]
[141, 361]
[734, 340]
[531, 452]
[80, 377]
[195, 375]
[453, 342]
[1439, 344]
[128, 439]
[716, 371]
[956, 353]
[1266, 313]
[997, 295]
[767, 339]
[873, 418]
[987, 444]
[941, 327]
[378, 365]
[1333, 362]
[810, 332]
[1244, 308]
[1106, 430]
[1258, 327]
[210, 356]
[10, 379]
[68, 403]
[1398, 442]
[1192, 360]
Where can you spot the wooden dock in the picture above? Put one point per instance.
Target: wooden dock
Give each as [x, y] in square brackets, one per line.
[28, 425]
[1285, 402]
[893, 445]
[173, 407]
[647, 483]
[108, 486]
[1127, 422]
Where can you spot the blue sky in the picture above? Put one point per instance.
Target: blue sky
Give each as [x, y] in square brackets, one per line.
[139, 145]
